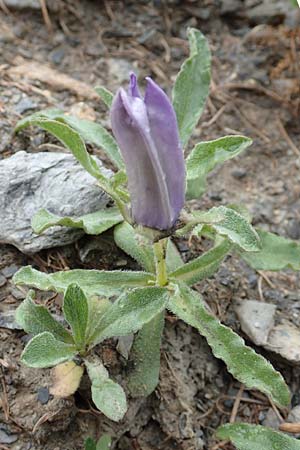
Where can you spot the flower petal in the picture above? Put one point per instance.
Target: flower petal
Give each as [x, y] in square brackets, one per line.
[164, 132]
[146, 182]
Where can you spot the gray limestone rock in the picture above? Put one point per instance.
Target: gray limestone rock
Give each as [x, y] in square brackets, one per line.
[55, 181]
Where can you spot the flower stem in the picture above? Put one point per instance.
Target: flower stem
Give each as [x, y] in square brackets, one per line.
[160, 248]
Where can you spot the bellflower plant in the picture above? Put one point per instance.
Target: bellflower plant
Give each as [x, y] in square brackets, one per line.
[150, 183]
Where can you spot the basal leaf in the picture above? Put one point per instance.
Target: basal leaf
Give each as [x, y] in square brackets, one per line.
[192, 85]
[104, 442]
[203, 266]
[92, 282]
[45, 351]
[131, 312]
[67, 377]
[90, 444]
[96, 308]
[229, 223]
[145, 355]
[88, 130]
[107, 395]
[93, 223]
[105, 94]
[255, 437]
[36, 319]
[140, 249]
[276, 253]
[242, 361]
[204, 158]
[75, 310]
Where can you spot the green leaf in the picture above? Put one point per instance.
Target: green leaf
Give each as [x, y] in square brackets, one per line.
[242, 361]
[145, 355]
[75, 308]
[229, 223]
[93, 223]
[131, 312]
[135, 245]
[36, 319]
[277, 253]
[90, 444]
[255, 437]
[205, 156]
[106, 96]
[139, 248]
[92, 282]
[104, 442]
[88, 130]
[96, 308]
[107, 395]
[191, 87]
[203, 266]
[45, 351]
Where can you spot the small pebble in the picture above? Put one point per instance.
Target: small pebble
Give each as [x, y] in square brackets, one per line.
[239, 173]
[43, 395]
[9, 271]
[2, 280]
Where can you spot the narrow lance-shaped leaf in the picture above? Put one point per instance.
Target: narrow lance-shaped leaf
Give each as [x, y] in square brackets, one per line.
[229, 223]
[131, 312]
[90, 131]
[94, 223]
[203, 266]
[35, 319]
[204, 158]
[105, 94]
[276, 253]
[192, 85]
[145, 356]
[255, 437]
[242, 361]
[92, 282]
[45, 351]
[75, 308]
[107, 395]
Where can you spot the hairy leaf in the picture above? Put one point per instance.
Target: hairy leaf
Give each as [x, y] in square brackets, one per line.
[35, 319]
[88, 130]
[75, 309]
[205, 156]
[104, 442]
[277, 253]
[242, 361]
[90, 444]
[93, 223]
[255, 437]
[107, 395]
[139, 248]
[131, 312]
[192, 85]
[145, 355]
[229, 223]
[105, 94]
[203, 266]
[96, 308]
[45, 351]
[92, 282]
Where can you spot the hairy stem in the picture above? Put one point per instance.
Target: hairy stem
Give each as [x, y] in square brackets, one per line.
[160, 249]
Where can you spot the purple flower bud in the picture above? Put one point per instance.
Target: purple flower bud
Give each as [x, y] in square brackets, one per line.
[147, 133]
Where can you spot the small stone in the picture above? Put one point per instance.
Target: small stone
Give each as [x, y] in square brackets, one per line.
[9, 271]
[7, 320]
[239, 173]
[57, 55]
[271, 420]
[216, 196]
[2, 280]
[24, 105]
[5, 436]
[256, 318]
[294, 415]
[17, 294]
[43, 395]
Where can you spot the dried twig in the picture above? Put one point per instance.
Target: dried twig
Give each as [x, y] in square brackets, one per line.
[236, 404]
[46, 16]
[287, 137]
